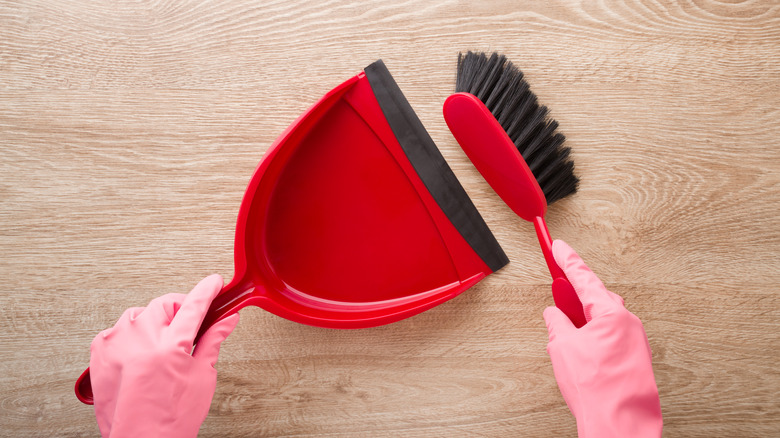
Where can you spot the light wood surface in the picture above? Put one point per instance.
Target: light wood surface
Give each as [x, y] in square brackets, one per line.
[129, 130]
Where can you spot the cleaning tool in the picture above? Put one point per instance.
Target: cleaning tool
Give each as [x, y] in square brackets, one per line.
[506, 134]
[353, 219]
[604, 369]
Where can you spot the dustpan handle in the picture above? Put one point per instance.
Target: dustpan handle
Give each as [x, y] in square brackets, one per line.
[230, 300]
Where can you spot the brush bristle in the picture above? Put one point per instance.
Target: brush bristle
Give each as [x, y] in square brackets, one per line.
[501, 87]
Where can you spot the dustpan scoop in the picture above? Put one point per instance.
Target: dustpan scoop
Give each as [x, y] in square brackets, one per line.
[353, 219]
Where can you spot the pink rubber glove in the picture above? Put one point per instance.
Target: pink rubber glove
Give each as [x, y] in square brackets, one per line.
[144, 379]
[604, 368]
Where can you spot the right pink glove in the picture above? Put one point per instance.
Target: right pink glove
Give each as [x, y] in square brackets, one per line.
[604, 368]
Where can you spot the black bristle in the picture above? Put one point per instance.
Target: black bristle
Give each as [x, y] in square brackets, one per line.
[501, 87]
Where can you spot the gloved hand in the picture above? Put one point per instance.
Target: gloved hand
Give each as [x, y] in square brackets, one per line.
[604, 368]
[146, 379]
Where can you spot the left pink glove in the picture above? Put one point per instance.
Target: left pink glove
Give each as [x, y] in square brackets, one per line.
[146, 379]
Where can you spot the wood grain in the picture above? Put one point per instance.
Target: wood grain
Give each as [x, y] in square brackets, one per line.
[128, 132]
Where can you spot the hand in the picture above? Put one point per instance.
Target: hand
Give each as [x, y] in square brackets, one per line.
[146, 379]
[604, 368]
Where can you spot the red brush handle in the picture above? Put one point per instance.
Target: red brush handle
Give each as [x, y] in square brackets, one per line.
[564, 295]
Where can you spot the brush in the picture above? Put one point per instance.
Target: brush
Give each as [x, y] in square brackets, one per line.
[512, 141]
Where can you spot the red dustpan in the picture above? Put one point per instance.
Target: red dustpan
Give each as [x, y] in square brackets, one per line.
[353, 219]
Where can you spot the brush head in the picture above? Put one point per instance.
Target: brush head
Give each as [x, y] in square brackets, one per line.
[501, 87]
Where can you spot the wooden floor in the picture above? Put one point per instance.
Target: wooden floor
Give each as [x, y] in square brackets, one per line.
[129, 130]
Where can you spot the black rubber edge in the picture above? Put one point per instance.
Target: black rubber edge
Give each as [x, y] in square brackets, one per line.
[431, 167]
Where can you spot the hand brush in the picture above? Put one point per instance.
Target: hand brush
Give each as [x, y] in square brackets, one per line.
[498, 122]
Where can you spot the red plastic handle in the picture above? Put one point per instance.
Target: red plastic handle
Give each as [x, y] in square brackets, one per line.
[84, 388]
[566, 299]
[230, 300]
[233, 297]
[564, 295]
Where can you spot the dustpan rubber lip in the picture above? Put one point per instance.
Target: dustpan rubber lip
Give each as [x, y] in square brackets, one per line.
[431, 167]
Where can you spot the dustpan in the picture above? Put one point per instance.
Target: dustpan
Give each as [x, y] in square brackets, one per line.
[353, 218]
